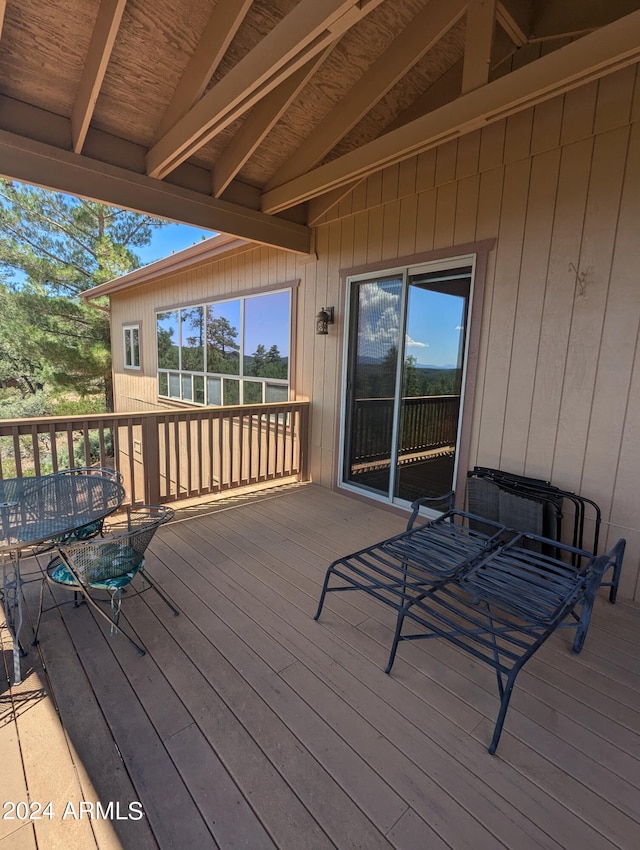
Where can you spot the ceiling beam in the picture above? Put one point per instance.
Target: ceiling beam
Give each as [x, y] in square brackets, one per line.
[95, 66]
[259, 123]
[216, 38]
[478, 47]
[591, 57]
[446, 88]
[48, 166]
[306, 31]
[514, 16]
[320, 206]
[420, 35]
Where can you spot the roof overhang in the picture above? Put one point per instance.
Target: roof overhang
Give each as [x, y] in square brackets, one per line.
[195, 255]
[253, 118]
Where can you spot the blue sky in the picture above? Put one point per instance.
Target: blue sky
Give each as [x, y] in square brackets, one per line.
[434, 323]
[171, 239]
[434, 327]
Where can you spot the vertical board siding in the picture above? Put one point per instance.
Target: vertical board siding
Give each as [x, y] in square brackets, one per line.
[504, 298]
[529, 308]
[592, 282]
[445, 216]
[426, 220]
[564, 251]
[547, 126]
[330, 389]
[425, 170]
[558, 385]
[579, 112]
[614, 101]
[407, 226]
[466, 218]
[468, 156]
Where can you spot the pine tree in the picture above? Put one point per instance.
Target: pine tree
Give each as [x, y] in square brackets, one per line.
[52, 248]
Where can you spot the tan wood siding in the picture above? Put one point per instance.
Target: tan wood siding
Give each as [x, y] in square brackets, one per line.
[558, 392]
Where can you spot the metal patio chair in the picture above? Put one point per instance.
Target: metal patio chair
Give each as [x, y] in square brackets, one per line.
[108, 564]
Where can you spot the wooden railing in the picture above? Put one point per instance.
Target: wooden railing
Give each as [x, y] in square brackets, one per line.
[166, 455]
[427, 423]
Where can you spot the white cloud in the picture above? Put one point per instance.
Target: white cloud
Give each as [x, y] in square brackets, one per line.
[413, 343]
[379, 316]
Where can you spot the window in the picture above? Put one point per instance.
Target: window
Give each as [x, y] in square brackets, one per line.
[132, 347]
[226, 352]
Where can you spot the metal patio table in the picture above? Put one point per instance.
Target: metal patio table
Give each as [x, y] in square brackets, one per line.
[40, 510]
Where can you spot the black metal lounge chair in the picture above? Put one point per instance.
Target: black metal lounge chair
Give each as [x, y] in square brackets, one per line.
[505, 605]
[493, 592]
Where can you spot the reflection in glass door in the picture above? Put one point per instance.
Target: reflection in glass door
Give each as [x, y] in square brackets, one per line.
[371, 382]
[404, 381]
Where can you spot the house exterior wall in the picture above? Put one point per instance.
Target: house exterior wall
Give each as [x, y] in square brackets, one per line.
[558, 387]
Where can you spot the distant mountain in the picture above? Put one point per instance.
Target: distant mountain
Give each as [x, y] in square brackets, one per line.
[377, 361]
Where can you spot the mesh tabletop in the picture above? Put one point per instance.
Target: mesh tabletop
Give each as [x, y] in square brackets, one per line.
[33, 510]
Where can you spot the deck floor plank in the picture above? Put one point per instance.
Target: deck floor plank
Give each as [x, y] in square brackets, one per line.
[102, 772]
[247, 724]
[313, 629]
[261, 698]
[227, 715]
[49, 765]
[155, 777]
[13, 782]
[615, 803]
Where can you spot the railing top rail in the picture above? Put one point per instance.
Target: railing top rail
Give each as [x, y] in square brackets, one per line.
[8, 426]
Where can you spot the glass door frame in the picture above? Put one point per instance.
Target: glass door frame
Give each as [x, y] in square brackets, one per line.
[404, 271]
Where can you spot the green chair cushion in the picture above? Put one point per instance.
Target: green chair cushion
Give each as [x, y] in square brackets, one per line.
[89, 530]
[110, 566]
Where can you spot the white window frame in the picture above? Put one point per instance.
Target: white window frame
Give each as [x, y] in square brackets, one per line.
[267, 383]
[128, 331]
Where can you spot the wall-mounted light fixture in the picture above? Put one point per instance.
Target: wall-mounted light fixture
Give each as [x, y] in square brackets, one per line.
[324, 318]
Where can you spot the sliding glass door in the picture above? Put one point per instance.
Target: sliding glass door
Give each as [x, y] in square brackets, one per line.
[404, 378]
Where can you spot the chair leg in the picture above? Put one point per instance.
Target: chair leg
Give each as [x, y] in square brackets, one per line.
[34, 642]
[615, 581]
[160, 593]
[504, 705]
[396, 640]
[325, 585]
[583, 624]
[90, 601]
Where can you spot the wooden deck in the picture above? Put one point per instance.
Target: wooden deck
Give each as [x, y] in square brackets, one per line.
[249, 725]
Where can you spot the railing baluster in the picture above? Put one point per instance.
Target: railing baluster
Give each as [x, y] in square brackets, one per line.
[199, 455]
[16, 451]
[219, 456]
[36, 453]
[241, 452]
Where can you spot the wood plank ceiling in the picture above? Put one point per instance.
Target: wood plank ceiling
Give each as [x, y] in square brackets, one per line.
[252, 117]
